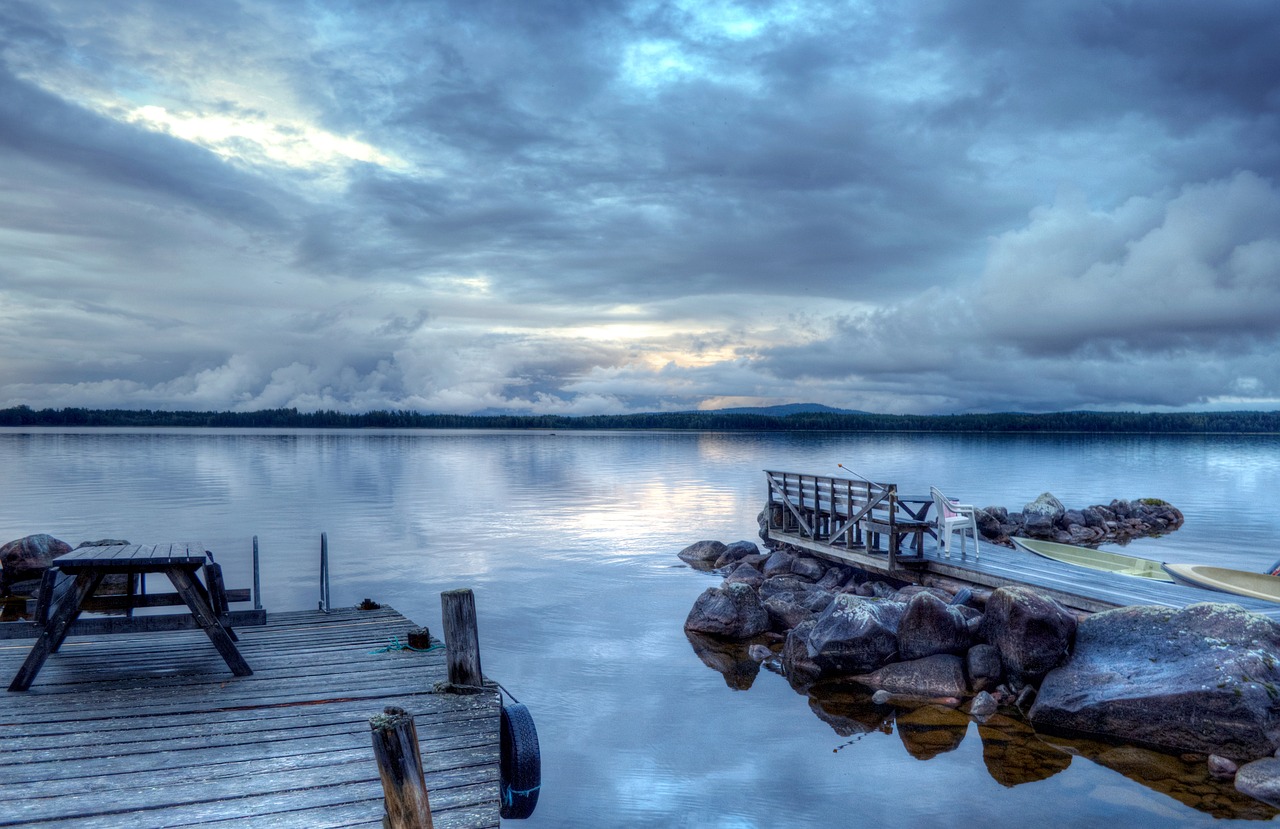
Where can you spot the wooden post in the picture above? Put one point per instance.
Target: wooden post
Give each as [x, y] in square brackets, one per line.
[461, 638]
[395, 747]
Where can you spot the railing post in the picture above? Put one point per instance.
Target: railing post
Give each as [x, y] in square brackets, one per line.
[395, 747]
[324, 572]
[461, 637]
[257, 584]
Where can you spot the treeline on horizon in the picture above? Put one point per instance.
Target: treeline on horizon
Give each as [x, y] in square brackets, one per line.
[1100, 422]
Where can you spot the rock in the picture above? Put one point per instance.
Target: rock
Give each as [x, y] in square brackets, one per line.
[745, 574]
[784, 613]
[1045, 505]
[779, 585]
[27, 558]
[983, 667]
[800, 668]
[854, 635]
[1260, 780]
[759, 652]
[940, 675]
[702, 553]
[1032, 631]
[731, 612]
[778, 564]
[735, 552]
[1205, 678]
[990, 525]
[983, 706]
[104, 542]
[929, 625]
[808, 568]
[834, 577]
[1221, 768]
[881, 697]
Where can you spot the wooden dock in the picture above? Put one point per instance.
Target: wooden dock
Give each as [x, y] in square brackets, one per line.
[152, 730]
[1078, 588]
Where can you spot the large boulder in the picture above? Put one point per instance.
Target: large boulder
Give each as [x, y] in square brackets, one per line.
[929, 625]
[854, 635]
[731, 612]
[1046, 505]
[1202, 679]
[26, 559]
[1032, 631]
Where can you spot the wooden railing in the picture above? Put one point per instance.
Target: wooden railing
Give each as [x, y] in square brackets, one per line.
[840, 512]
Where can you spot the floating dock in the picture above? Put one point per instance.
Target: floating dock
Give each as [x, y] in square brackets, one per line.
[151, 730]
[804, 514]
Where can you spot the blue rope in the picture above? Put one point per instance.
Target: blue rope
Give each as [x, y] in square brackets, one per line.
[396, 645]
[508, 793]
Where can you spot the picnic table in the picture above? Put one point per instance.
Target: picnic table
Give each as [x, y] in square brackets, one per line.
[73, 578]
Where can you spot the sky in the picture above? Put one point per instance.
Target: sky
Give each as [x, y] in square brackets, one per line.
[607, 206]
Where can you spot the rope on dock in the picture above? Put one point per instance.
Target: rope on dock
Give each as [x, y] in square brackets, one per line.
[394, 644]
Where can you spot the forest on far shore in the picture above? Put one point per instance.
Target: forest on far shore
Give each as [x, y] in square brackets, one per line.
[1090, 422]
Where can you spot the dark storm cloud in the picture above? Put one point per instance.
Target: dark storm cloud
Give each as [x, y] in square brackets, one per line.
[36, 126]
[587, 207]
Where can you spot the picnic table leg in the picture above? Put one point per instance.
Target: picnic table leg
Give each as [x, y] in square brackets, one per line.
[55, 630]
[186, 586]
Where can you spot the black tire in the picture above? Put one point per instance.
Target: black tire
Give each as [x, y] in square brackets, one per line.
[521, 763]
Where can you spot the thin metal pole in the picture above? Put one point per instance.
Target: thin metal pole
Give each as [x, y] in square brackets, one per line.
[324, 572]
[257, 583]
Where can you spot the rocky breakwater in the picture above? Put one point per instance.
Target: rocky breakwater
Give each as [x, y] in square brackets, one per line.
[1046, 518]
[1204, 680]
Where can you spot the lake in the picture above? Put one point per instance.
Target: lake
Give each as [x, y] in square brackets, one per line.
[569, 541]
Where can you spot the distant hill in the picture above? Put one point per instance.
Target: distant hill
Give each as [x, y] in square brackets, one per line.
[786, 409]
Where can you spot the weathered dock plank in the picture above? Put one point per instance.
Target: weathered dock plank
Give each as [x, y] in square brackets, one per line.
[152, 730]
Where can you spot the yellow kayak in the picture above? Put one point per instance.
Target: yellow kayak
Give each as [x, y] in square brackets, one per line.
[1225, 580]
[1095, 559]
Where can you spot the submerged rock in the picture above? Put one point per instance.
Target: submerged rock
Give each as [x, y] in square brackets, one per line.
[1260, 780]
[1202, 679]
[702, 554]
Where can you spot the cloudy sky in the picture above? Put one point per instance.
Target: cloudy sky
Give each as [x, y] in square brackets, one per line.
[609, 206]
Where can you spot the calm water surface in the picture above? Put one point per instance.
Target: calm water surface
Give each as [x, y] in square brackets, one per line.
[569, 541]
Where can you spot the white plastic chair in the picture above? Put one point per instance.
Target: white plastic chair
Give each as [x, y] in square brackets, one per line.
[952, 518]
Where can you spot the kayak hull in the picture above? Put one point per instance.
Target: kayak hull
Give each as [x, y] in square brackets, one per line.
[1225, 580]
[1096, 559]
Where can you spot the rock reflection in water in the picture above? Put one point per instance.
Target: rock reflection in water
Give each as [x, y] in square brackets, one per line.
[730, 659]
[1014, 753]
[931, 730]
[848, 709]
[1186, 779]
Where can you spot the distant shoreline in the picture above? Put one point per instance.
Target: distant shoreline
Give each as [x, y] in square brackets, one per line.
[1189, 423]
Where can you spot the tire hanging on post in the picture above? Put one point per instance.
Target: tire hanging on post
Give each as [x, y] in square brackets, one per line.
[521, 763]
